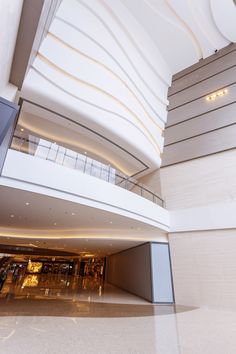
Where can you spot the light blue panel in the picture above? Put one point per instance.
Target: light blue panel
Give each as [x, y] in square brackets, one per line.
[161, 273]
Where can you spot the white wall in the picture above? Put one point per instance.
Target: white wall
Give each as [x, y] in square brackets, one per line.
[210, 217]
[10, 12]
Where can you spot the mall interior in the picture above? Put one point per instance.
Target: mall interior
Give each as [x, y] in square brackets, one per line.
[118, 176]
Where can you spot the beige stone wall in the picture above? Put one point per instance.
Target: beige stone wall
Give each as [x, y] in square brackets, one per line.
[152, 181]
[204, 268]
[200, 182]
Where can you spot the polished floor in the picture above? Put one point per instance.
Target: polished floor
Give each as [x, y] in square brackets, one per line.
[93, 320]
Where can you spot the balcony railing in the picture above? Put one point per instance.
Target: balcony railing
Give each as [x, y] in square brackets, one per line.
[51, 151]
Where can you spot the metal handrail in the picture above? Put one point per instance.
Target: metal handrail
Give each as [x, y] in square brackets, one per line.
[46, 150]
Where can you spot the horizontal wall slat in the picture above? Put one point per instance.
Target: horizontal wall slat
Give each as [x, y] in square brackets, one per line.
[204, 88]
[200, 106]
[220, 140]
[204, 72]
[203, 62]
[200, 125]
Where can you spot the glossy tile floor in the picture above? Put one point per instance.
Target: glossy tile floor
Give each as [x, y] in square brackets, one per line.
[108, 321]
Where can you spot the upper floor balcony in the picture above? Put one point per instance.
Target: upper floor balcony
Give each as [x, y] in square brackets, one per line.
[40, 166]
[51, 151]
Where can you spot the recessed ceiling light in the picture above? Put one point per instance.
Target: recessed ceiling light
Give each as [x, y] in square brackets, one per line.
[12, 215]
[110, 222]
[21, 129]
[54, 223]
[73, 214]
[85, 152]
[27, 203]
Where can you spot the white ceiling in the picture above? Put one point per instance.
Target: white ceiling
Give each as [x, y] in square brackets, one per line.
[83, 247]
[185, 31]
[29, 217]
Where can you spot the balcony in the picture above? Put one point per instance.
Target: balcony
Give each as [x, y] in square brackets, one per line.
[51, 151]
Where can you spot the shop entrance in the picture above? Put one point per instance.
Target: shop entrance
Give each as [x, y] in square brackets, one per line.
[52, 277]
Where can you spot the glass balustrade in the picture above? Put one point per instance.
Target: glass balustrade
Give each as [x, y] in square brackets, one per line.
[51, 151]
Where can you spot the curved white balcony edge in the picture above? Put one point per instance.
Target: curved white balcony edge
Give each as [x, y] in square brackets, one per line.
[44, 177]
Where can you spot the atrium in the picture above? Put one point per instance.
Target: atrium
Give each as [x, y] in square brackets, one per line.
[118, 176]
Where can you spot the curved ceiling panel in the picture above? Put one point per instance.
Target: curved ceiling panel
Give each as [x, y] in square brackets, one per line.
[224, 14]
[108, 65]
[97, 61]
[183, 30]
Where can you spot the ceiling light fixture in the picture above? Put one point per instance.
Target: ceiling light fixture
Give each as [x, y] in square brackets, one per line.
[21, 129]
[27, 203]
[12, 215]
[216, 94]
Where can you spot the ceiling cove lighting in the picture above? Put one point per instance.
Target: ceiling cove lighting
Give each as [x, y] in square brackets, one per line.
[216, 94]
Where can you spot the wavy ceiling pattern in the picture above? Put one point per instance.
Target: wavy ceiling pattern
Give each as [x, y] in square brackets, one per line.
[186, 30]
[109, 72]
[110, 62]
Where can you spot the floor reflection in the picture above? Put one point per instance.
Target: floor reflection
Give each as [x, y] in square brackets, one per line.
[73, 296]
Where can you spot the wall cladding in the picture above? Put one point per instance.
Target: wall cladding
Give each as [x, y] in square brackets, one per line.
[131, 270]
[152, 181]
[204, 268]
[200, 182]
[143, 270]
[197, 127]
